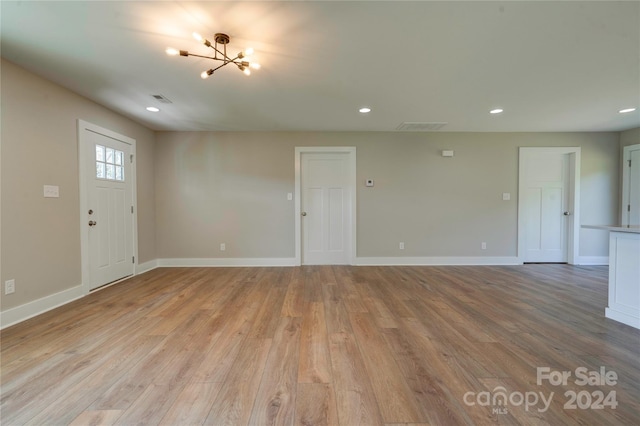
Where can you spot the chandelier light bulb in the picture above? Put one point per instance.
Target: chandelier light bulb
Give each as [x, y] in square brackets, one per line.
[246, 71]
[249, 51]
[255, 65]
[171, 51]
[197, 36]
[206, 74]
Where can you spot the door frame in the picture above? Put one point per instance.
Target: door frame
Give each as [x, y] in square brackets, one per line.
[626, 182]
[83, 144]
[573, 225]
[351, 152]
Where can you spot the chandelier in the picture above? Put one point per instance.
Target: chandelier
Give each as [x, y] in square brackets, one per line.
[220, 54]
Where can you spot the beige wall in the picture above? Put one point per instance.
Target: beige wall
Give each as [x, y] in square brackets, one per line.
[231, 187]
[630, 137]
[41, 237]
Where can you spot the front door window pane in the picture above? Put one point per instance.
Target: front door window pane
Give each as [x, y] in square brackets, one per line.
[100, 172]
[109, 163]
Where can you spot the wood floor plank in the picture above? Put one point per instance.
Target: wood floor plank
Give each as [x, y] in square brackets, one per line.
[96, 418]
[355, 400]
[293, 304]
[336, 315]
[151, 406]
[314, 363]
[85, 392]
[235, 400]
[428, 389]
[316, 405]
[394, 396]
[275, 401]
[192, 405]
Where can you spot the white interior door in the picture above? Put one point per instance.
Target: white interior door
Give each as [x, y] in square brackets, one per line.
[109, 216]
[545, 205]
[326, 200]
[631, 186]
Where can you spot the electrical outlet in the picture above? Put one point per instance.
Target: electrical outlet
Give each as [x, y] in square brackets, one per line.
[484, 246]
[223, 247]
[401, 246]
[9, 286]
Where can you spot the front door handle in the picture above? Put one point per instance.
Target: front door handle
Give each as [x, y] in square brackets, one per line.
[303, 213]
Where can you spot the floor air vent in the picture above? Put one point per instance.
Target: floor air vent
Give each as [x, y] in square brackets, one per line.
[421, 126]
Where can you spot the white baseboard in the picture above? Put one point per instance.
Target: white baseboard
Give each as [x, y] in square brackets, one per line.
[146, 266]
[228, 261]
[623, 317]
[593, 260]
[29, 310]
[437, 260]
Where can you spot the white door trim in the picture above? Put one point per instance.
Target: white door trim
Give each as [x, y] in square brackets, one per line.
[351, 151]
[83, 144]
[573, 227]
[626, 156]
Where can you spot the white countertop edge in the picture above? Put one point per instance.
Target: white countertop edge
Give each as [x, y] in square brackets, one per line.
[632, 229]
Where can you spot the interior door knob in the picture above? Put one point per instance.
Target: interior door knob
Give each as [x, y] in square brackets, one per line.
[567, 213]
[92, 223]
[303, 213]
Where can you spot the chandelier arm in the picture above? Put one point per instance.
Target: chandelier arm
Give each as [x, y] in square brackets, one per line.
[224, 55]
[208, 57]
[220, 66]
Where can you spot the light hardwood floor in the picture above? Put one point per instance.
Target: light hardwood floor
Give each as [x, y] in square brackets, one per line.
[324, 345]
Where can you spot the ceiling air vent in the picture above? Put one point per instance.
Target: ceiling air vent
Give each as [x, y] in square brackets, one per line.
[421, 126]
[162, 99]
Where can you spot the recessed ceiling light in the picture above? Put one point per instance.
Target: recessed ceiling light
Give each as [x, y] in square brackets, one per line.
[496, 111]
[153, 109]
[365, 110]
[623, 111]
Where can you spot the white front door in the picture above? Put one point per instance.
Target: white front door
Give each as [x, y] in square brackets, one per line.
[545, 205]
[326, 200]
[109, 200]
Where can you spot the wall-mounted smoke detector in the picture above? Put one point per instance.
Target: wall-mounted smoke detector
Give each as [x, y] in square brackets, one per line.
[421, 126]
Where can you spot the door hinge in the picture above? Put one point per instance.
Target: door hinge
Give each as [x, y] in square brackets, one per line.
[131, 209]
[628, 207]
[629, 163]
[131, 158]
[133, 259]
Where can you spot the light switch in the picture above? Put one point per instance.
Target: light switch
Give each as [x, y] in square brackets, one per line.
[289, 196]
[51, 191]
[506, 196]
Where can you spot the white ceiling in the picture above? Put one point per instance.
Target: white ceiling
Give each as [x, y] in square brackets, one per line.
[552, 66]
